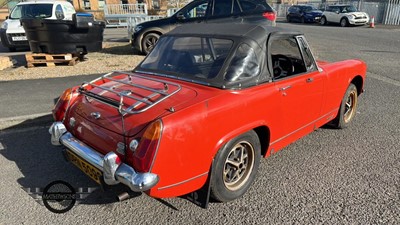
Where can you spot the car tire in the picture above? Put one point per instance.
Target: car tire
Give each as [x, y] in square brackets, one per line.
[348, 108]
[12, 49]
[323, 21]
[302, 20]
[288, 19]
[344, 22]
[149, 41]
[235, 167]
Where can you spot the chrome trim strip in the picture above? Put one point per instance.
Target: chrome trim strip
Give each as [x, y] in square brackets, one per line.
[82, 150]
[182, 182]
[293, 132]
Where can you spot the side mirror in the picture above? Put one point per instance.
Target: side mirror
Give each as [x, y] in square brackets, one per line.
[180, 16]
[60, 15]
[337, 12]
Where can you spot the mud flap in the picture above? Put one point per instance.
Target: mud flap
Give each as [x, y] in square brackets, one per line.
[201, 197]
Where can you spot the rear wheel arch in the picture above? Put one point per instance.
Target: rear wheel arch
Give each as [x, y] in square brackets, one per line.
[152, 31]
[263, 134]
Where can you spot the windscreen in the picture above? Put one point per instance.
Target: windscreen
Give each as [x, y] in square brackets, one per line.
[190, 58]
[347, 9]
[32, 11]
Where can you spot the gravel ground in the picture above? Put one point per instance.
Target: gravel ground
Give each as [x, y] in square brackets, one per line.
[114, 56]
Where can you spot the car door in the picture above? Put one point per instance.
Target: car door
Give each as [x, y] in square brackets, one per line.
[300, 13]
[299, 85]
[335, 14]
[329, 14]
[294, 13]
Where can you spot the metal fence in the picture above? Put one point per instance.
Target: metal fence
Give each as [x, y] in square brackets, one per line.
[385, 12]
[125, 9]
[392, 13]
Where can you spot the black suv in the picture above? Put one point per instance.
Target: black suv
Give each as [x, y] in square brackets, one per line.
[146, 34]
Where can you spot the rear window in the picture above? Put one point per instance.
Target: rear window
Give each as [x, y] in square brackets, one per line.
[188, 58]
[32, 11]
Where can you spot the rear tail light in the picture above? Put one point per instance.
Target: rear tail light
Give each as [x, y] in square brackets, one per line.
[62, 104]
[143, 157]
[269, 16]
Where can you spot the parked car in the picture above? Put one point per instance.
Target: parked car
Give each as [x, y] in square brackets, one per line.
[344, 15]
[146, 34]
[13, 34]
[207, 103]
[303, 14]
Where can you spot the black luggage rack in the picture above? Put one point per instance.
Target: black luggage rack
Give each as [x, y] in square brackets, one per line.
[134, 108]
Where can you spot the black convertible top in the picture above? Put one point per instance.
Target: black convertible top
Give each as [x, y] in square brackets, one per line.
[239, 63]
[256, 32]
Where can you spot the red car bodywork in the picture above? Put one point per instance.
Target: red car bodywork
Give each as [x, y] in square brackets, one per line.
[171, 125]
[205, 118]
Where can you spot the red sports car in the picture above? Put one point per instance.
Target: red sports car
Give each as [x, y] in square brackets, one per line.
[202, 108]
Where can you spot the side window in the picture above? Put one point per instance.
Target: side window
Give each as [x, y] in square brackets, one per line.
[243, 65]
[198, 10]
[222, 8]
[236, 7]
[286, 57]
[307, 55]
[16, 13]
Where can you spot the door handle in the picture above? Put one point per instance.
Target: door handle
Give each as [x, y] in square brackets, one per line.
[285, 88]
[309, 80]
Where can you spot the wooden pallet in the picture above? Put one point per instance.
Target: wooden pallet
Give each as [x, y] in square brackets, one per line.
[50, 60]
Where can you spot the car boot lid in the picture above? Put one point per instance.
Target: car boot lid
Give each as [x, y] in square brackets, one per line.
[129, 98]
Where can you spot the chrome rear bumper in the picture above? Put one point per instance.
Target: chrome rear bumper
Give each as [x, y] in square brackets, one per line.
[114, 171]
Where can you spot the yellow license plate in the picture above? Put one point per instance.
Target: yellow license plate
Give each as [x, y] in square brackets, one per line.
[87, 168]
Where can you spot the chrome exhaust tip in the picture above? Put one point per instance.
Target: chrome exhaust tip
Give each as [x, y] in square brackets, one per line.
[123, 196]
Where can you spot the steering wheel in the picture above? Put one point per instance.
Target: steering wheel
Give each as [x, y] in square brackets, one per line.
[282, 66]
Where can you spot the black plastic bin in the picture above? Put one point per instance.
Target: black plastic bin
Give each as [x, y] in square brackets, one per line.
[81, 35]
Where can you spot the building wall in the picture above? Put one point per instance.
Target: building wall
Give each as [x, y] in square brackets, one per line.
[3, 13]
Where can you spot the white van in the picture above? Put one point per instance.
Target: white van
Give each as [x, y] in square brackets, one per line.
[13, 34]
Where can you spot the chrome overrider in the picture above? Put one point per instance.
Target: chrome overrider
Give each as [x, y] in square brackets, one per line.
[114, 171]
